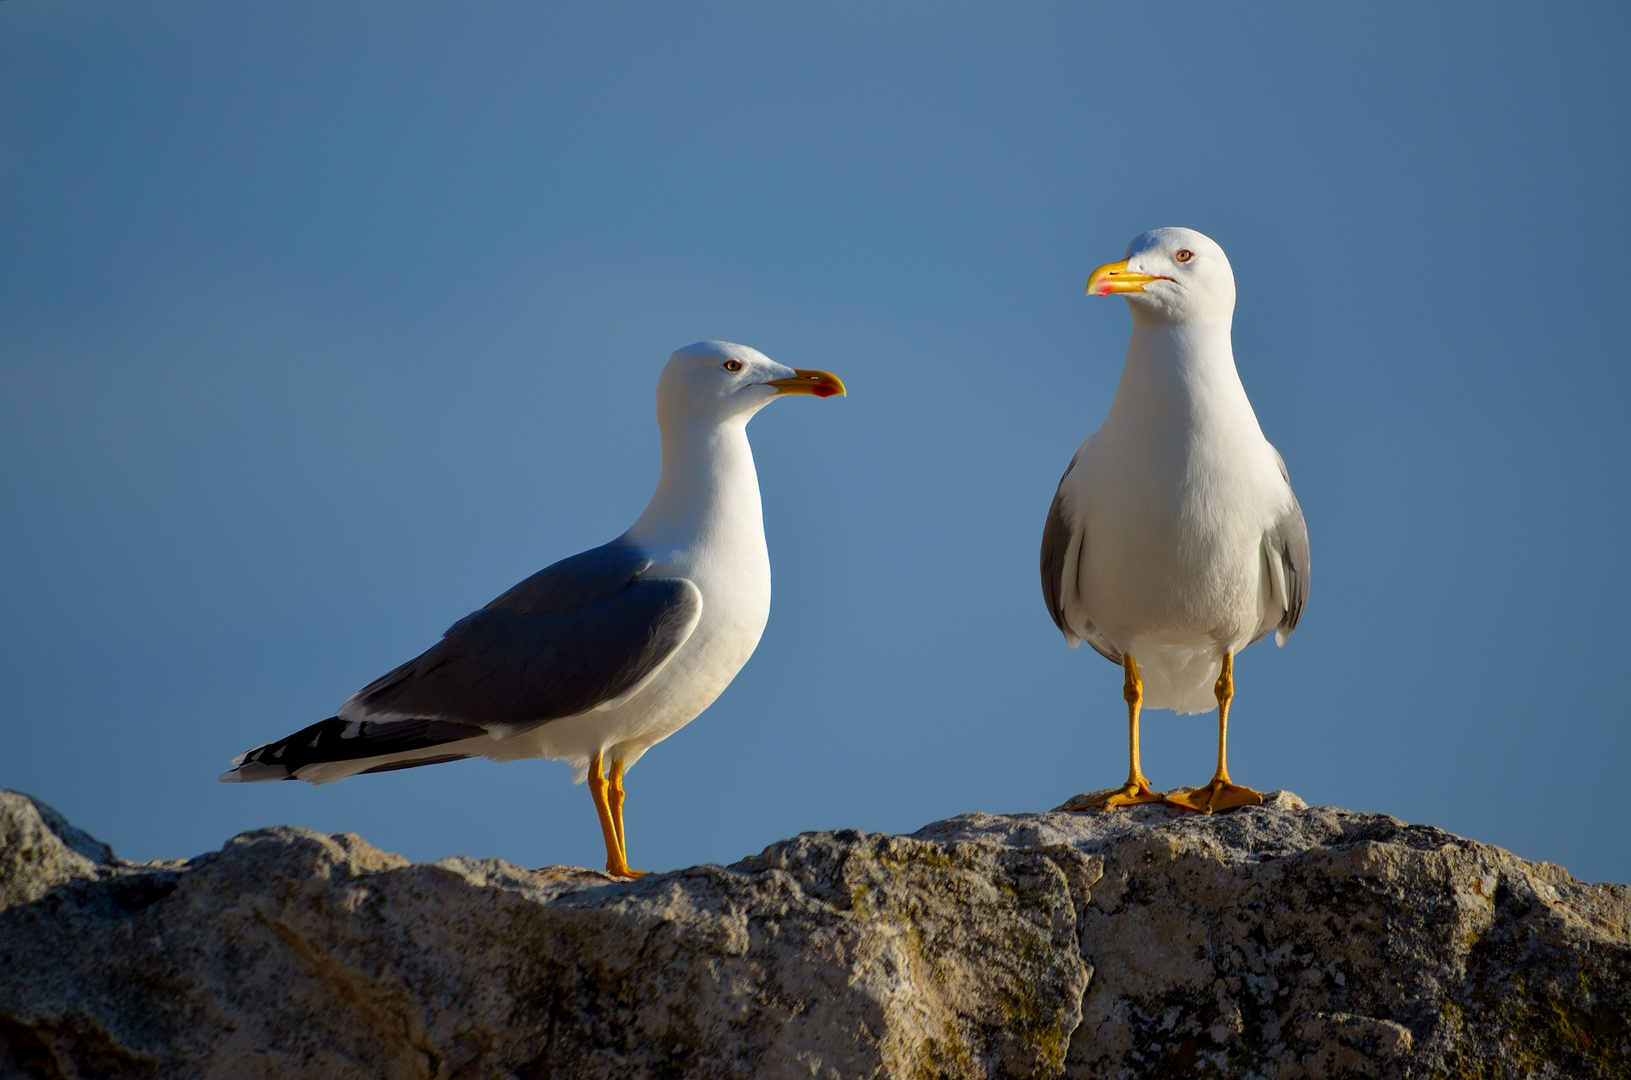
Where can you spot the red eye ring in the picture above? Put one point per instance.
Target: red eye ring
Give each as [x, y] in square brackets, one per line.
[1184, 255]
[733, 365]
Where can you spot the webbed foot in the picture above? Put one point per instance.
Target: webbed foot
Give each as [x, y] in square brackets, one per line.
[1132, 793]
[1215, 797]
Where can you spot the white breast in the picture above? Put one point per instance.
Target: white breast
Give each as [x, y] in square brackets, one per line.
[706, 527]
[1173, 496]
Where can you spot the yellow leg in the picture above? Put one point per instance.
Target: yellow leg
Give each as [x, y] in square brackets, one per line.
[617, 863]
[615, 798]
[1137, 789]
[1220, 794]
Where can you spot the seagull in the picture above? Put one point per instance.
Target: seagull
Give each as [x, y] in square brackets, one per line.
[1174, 539]
[600, 656]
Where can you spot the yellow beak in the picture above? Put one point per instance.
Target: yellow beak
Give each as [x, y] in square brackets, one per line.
[810, 381]
[1116, 278]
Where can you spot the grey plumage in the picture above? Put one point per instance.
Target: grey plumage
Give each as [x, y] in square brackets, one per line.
[1286, 551]
[1061, 557]
[1174, 539]
[575, 635]
[1056, 546]
[1286, 559]
[597, 658]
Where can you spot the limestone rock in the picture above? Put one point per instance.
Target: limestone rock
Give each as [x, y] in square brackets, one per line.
[294, 954]
[40, 850]
[1291, 942]
[1276, 941]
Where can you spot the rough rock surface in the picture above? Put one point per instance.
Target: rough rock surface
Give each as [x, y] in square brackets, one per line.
[1276, 941]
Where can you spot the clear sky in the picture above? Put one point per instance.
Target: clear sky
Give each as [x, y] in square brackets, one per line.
[322, 324]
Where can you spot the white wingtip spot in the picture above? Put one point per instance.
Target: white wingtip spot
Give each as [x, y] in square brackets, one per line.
[254, 772]
[1280, 638]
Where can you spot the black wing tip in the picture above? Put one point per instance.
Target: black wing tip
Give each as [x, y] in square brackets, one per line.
[336, 739]
[394, 766]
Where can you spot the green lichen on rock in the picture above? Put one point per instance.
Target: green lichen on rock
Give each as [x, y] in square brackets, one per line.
[293, 954]
[1287, 942]
[1536, 1020]
[1275, 942]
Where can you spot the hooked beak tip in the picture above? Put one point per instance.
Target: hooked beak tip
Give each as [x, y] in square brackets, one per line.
[821, 384]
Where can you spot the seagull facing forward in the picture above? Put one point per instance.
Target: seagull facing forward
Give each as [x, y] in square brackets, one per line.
[1174, 540]
[600, 656]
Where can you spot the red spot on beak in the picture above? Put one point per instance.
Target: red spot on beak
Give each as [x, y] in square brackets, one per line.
[809, 381]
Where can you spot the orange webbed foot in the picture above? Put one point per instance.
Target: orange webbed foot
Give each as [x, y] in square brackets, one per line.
[1215, 797]
[1132, 793]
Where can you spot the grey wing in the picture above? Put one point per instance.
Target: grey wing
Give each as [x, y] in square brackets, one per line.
[578, 581]
[1285, 550]
[574, 636]
[1062, 544]
[1058, 545]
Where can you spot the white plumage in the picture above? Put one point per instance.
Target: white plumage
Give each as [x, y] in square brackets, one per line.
[1174, 536]
[703, 525]
[602, 655]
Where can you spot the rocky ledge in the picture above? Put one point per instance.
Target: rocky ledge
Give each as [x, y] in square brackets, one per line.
[1275, 941]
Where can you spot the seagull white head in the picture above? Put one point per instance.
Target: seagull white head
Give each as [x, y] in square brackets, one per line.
[1171, 275]
[718, 381]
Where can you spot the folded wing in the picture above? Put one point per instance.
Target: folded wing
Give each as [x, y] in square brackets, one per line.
[577, 635]
[1287, 560]
[1063, 537]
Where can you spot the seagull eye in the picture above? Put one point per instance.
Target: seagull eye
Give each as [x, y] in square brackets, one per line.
[1185, 255]
[733, 365]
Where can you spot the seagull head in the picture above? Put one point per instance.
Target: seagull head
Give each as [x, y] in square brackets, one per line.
[1171, 276]
[718, 382]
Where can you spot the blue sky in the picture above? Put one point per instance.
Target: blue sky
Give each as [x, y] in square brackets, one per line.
[320, 325]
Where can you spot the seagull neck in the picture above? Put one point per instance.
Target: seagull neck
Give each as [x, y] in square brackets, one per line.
[1182, 344]
[708, 490]
[1185, 372]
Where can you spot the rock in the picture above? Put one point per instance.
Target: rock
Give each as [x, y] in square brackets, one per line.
[1275, 941]
[39, 850]
[294, 954]
[1284, 941]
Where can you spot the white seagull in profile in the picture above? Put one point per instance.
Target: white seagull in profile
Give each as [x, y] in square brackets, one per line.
[600, 656]
[1174, 540]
